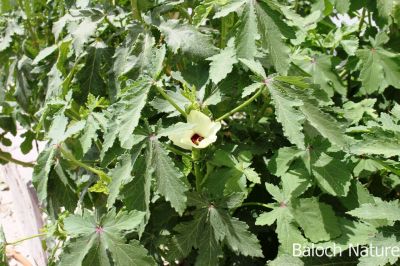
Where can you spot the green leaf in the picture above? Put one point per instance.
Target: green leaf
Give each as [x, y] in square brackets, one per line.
[385, 7]
[41, 171]
[201, 13]
[350, 45]
[239, 239]
[280, 162]
[321, 68]
[295, 182]
[379, 69]
[94, 122]
[189, 235]
[286, 260]
[288, 232]
[76, 250]
[247, 33]
[290, 118]
[342, 6]
[187, 39]
[168, 177]
[352, 233]
[332, 175]
[379, 145]
[389, 210]
[211, 217]
[126, 115]
[325, 124]
[255, 67]
[209, 249]
[61, 190]
[91, 75]
[137, 193]
[82, 33]
[58, 128]
[13, 28]
[268, 218]
[228, 8]
[57, 71]
[275, 192]
[131, 254]
[381, 243]
[222, 64]
[354, 112]
[163, 106]
[317, 219]
[120, 175]
[44, 53]
[251, 88]
[93, 237]
[271, 36]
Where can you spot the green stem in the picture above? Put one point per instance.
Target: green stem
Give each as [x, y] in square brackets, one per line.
[15, 161]
[240, 107]
[26, 238]
[66, 83]
[53, 252]
[388, 167]
[135, 10]
[197, 169]
[364, 11]
[71, 158]
[169, 99]
[26, 8]
[269, 206]
[176, 151]
[296, 6]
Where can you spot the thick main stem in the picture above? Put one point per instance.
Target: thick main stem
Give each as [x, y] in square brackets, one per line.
[240, 107]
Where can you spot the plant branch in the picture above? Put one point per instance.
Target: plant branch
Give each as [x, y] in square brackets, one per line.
[388, 167]
[15, 161]
[103, 176]
[169, 99]
[26, 238]
[269, 206]
[176, 151]
[240, 107]
[364, 11]
[26, 8]
[136, 11]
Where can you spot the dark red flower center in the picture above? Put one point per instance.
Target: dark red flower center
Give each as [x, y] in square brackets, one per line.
[196, 138]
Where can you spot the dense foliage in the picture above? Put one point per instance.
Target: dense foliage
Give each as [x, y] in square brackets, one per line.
[308, 151]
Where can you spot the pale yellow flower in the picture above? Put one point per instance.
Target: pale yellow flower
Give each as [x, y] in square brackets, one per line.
[203, 132]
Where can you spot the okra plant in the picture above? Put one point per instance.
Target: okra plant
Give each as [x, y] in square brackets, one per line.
[207, 132]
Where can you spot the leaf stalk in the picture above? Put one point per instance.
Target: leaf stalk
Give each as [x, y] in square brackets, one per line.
[240, 107]
[15, 161]
[197, 170]
[26, 238]
[170, 100]
[103, 176]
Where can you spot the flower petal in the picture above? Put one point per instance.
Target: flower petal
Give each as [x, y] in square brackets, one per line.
[207, 141]
[201, 122]
[180, 139]
[214, 128]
